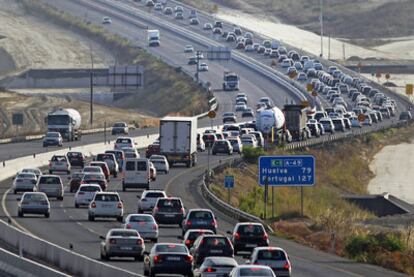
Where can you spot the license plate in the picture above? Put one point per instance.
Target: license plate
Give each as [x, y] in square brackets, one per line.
[126, 248]
[173, 258]
[251, 245]
[106, 205]
[216, 251]
[169, 215]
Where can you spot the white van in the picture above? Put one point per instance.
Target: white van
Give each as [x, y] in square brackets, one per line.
[51, 185]
[136, 173]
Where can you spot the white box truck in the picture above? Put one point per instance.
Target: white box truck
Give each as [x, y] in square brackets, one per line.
[178, 140]
[153, 38]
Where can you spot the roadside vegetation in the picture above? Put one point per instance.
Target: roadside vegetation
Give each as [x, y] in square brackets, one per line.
[166, 89]
[329, 223]
[345, 19]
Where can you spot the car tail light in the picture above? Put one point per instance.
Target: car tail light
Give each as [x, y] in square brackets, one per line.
[119, 205]
[157, 259]
[139, 241]
[155, 227]
[112, 241]
[214, 223]
[93, 205]
[182, 210]
[265, 237]
[286, 266]
[128, 226]
[187, 242]
[155, 210]
[189, 258]
[210, 269]
[236, 235]
[188, 223]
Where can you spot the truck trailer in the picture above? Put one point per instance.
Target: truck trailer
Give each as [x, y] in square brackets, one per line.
[296, 118]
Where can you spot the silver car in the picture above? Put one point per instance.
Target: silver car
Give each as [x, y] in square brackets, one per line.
[274, 257]
[33, 203]
[34, 170]
[145, 225]
[122, 243]
[59, 163]
[51, 185]
[24, 182]
[106, 204]
[53, 138]
[215, 267]
[148, 199]
[160, 163]
[251, 270]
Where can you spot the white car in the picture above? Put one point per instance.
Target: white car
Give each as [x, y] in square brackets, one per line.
[92, 169]
[160, 163]
[85, 194]
[59, 163]
[252, 270]
[158, 7]
[122, 142]
[130, 153]
[355, 122]
[202, 67]
[207, 26]
[188, 49]
[148, 200]
[249, 140]
[106, 204]
[145, 225]
[34, 170]
[215, 267]
[24, 182]
[106, 20]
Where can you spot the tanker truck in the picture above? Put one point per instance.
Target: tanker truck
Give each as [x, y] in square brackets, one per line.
[266, 119]
[65, 121]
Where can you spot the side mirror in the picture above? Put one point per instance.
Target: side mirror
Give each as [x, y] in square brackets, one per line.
[229, 233]
[102, 237]
[138, 196]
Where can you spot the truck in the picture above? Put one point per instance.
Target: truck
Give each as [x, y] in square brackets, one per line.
[296, 118]
[266, 119]
[230, 81]
[65, 121]
[153, 38]
[178, 140]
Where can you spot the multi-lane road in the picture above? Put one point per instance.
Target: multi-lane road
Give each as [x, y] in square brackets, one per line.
[69, 225]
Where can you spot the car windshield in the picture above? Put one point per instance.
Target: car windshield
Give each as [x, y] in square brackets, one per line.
[124, 140]
[171, 248]
[103, 157]
[154, 195]
[49, 180]
[275, 255]
[250, 229]
[215, 242]
[52, 135]
[93, 177]
[74, 154]
[34, 197]
[169, 203]
[140, 218]
[77, 176]
[255, 271]
[119, 125]
[59, 159]
[107, 197]
[58, 120]
[193, 235]
[200, 215]
[90, 188]
[220, 262]
[92, 169]
[26, 176]
[122, 233]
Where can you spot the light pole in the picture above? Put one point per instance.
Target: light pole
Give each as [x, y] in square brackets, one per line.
[91, 100]
[321, 21]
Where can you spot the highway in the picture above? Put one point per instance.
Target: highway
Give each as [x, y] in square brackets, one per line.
[69, 225]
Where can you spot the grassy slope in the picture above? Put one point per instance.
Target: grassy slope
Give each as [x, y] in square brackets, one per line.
[348, 19]
[341, 168]
[165, 90]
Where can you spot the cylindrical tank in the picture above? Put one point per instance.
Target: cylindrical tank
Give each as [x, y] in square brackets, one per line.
[72, 113]
[268, 118]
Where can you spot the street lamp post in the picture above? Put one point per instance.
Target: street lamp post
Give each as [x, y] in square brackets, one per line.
[321, 21]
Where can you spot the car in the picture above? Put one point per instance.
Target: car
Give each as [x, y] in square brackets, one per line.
[168, 11]
[314, 128]
[120, 128]
[207, 26]
[169, 210]
[211, 246]
[229, 117]
[217, 31]
[193, 14]
[93, 169]
[59, 163]
[248, 48]
[136, 173]
[103, 166]
[248, 112]
[158, 7]
[405, 116]
[106, 205]
[110, 161]
[75, 181]
[130, 152]
[122, 243]
[201, 146]
[240, 107]
[160, 163]
[249, 140]
[222, 147]
[199, 219]
[367, 120]
[274, 257]
[261, 49]
[236, 144]
[251, 270]
[24, 182]
[149, 3]
[215, 266]
[179, 16]
[85, 194]
[203, 67]
[339, 124]
[355, 122]
[76, 159]
[51, 185]
[192, 234]
[153, 171]
[248, 235]
[179, 9]
[106, 20]
[192, 60]
[53, 138]
[95, 178]
[124, 142]
[33, 170]
[188, 49]
[119, 156]
[259, 138]
[33, 203]
[168, 258]
[148, 200]
[144, 224]
[194, 21]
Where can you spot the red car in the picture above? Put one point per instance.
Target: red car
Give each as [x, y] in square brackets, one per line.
[75, 181]
[152, 149]
[104, 167]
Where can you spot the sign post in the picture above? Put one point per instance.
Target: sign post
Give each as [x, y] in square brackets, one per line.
[281, 171]
[409, 89]
[211, 114]
[229, 184]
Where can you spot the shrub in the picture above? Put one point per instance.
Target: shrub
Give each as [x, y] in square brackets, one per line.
[370, 245]
[251, 155]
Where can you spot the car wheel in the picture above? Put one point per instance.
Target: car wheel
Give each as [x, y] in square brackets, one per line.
[47, 215]
[115, 174]
[123, 188]
[151, 274]
[154, 240]
[60, 198]
[120, 218]
[15, 192]
[139, 258]
[103, 257]
[50, 171]
[20, 214]
[76, 205]
[91, 218]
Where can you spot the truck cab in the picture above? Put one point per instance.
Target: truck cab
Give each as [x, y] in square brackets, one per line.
[230, 81]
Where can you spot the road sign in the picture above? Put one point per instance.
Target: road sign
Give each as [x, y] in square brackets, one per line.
[409, 89]
[309, 87]
[229, 181]
[211, 114]
[17, 118]
[361, 117]
[378, 75]
[387, 76]
[287, 170]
